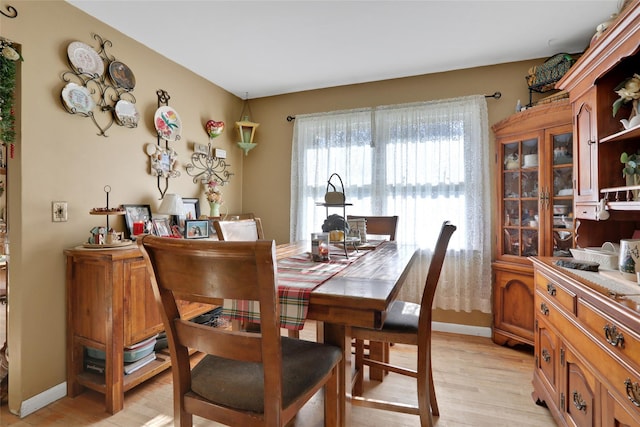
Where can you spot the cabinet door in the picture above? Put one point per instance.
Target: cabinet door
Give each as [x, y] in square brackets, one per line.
[519, 212]
[579, 392]
[585, 151]
[546, 357]
[616, 414]
[141, 314]
[513, 316]
[558, 192]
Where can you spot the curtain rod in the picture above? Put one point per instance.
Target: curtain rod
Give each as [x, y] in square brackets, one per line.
[496, 95]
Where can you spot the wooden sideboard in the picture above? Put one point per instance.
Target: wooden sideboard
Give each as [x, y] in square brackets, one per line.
[587, 346]
[110, 305]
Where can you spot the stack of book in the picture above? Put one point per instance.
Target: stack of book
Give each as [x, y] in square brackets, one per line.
[135, 357]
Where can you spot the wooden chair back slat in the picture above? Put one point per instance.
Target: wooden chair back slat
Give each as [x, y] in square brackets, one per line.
[379, 225]
[241, 230]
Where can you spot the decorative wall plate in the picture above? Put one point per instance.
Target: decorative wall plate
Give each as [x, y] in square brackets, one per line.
[85, 59]
[122, 75]
[126, 114]
[167, 123]
[78, 99]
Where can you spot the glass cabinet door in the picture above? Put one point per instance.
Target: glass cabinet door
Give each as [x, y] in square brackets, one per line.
[520, 184]
[561, 196]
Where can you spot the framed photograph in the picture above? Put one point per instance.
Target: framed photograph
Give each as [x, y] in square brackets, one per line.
[191, 211]
[177, 232]
[161, 227]
[137, 214]
[198, 229]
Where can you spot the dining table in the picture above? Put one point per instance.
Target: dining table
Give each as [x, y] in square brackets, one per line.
[359, 294]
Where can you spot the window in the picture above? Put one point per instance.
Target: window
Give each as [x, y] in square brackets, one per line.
[426, 163]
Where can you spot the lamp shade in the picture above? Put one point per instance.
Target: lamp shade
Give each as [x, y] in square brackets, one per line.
[171, 205]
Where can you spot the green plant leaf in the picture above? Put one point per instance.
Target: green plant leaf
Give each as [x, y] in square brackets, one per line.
[616, 106]
[624, 157]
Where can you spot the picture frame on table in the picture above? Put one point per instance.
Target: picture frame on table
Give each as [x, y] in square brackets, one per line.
[161, 227]
[198, 229]
[137, 213]
[191, 211]
[177, 232]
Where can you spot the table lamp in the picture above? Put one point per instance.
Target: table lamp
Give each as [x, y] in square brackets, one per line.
[172, 205]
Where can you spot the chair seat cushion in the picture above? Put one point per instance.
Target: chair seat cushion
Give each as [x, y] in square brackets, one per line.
[402, 316]
[240, 385]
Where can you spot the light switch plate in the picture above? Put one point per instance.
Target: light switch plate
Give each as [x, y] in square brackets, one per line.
[58, 211]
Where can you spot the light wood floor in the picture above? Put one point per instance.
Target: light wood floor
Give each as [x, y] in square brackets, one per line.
[478, 384]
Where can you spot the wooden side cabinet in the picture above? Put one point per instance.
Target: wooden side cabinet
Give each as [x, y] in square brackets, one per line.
[110, 305]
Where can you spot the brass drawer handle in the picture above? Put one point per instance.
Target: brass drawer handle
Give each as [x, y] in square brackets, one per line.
[612, 336]
[551, 290]
[579, 402]
[633, 391]
[545, 355]
[544, 309]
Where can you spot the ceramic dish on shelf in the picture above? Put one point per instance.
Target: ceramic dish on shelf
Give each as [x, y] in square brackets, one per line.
[85, 59]
[566, 192]
[167, 123]
[122, 75]
[77, 98]
[126, 113]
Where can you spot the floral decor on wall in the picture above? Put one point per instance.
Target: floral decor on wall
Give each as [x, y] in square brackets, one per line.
[8, 58]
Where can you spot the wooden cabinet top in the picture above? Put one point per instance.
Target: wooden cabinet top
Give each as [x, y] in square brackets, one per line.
[619, 298]
[621, 40]
[127, 252]
[535, 118]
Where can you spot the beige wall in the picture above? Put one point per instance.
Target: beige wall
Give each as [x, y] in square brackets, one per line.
[60, 157]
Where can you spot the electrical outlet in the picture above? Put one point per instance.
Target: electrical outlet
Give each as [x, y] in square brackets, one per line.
[58, 211]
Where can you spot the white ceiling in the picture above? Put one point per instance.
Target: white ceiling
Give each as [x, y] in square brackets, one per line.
[263, 48]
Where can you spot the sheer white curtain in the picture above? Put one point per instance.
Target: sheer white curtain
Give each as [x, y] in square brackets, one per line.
[425, 162]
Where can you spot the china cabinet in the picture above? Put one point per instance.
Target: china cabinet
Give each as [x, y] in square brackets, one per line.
[535, 209]
[600, 137]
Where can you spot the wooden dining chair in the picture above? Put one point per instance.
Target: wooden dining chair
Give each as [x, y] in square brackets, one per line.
[237, 216]
[379, 225]
[407, 323]
[244, 379]
[241, 230]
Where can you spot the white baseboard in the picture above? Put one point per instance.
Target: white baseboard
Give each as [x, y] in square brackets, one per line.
[41, 400]
[454, 328]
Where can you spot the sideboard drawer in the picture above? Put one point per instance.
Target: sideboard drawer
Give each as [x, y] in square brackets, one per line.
[612, 335]
[555, 292]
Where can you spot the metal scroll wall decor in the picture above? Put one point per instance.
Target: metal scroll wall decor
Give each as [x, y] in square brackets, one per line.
[209, 164]
[163, 160]
[99, 86]
[12, 12]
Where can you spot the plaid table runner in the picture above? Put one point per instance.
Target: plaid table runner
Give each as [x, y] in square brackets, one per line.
[297, 277]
